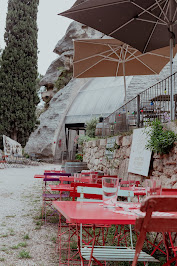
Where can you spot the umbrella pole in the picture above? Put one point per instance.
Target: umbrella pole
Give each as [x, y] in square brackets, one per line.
[125, 89]
[171, 67]
[171, 81]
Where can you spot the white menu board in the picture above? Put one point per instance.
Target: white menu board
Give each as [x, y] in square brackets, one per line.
[140, 157]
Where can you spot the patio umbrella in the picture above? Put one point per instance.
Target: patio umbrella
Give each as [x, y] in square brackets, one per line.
[110, 57]
[145, 25]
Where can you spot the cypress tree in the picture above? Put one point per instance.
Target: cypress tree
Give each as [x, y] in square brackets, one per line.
[18, 72]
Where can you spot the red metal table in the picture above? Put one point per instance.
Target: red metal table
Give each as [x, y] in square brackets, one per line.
[91, 213]
[94, 213]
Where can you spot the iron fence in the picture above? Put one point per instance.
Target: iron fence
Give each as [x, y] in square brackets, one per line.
[152, 103]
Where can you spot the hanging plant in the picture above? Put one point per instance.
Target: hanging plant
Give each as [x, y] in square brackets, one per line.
[160, 139]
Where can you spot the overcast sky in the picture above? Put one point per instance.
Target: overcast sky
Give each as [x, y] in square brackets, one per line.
[51, 28]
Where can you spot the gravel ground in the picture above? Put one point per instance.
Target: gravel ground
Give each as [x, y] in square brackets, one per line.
[21, 232]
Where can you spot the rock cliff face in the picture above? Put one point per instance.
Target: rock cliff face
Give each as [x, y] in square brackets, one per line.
[64, 49]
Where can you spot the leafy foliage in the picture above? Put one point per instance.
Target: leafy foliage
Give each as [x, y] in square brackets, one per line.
[160, 139]
[79, 157]
[90, 127]
[82, 138]
[18, 72]
[64, 78]
[38, 86]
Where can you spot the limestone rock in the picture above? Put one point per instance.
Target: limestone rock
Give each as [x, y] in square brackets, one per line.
[76, 30]
[52, 73]
[126, 141]
[158, 165]
[103, 142]
[47, 95]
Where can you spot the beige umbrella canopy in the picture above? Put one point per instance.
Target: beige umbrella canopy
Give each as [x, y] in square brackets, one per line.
[110, 57]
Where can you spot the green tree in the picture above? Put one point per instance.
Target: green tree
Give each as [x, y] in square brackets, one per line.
[18, 73]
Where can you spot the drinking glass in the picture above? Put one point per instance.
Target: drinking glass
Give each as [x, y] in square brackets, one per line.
[110, 189]
[153, 187]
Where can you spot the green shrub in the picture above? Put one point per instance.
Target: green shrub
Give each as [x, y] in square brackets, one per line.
[160, 139]
[82, 139]
[79, 157]
[64, 78]
[91, 126]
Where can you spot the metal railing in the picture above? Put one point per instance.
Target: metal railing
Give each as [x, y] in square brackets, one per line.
[152, 103]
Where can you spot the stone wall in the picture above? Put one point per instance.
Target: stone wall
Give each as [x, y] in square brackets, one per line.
[162, 166]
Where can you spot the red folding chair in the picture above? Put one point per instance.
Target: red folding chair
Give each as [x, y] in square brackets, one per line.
[159, 222]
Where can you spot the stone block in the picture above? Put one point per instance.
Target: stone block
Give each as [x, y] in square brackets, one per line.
[127, 152]
[158, 165]
[113, 172]
[156, 156]
[86, 144]
[174, 178]
[103, 142]
[123, 169]
[89, 144]
[116, 163]
[118, 140]
[117, 153]
[168, 171]
[96, 162]
[155, 173]
[97, 155]
[101, 153]
[126, 141]
[94, 143]
[103, 161]
[175, 149]
[165, 181]
[95, 149]
[171, 163]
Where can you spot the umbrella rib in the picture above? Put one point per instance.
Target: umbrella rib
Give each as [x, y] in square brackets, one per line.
[126, 23]
[151, 21]
[162, 10]
[115, 52]
[135, 57]
[160, 55]
[92, 66]
[150, 13]
[152, 32]
[126, 50]
[92, 7]
[130, 56]
[99, 54]
[174, 14]
[96, 43]
[149, 53]
[123, 25]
